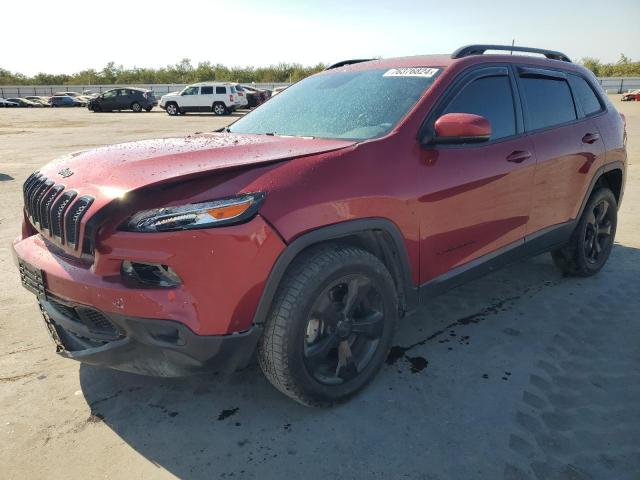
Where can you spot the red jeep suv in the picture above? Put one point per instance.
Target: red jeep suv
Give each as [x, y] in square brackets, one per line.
[306, 229]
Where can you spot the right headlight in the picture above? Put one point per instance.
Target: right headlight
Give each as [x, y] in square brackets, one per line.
[225, 211]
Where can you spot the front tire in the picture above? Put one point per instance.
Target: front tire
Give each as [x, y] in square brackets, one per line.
[592, 241]
[172, 109]
[331, 325]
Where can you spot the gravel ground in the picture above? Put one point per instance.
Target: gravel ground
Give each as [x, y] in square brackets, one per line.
[520, 375]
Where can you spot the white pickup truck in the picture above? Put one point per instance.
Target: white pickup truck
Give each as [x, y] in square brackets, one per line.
[219, 98]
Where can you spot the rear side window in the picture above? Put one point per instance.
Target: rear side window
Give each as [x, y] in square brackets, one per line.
[221, 90]
[492, 98]
[549, 101]
[584, 95]
[206, 90]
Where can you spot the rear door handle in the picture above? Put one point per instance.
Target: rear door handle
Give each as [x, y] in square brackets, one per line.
[518, 156]
[590, 138]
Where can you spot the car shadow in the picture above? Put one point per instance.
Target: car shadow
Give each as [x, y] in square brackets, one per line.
[447, 357]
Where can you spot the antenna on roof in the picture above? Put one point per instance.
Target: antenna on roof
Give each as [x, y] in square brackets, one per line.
[513, 42]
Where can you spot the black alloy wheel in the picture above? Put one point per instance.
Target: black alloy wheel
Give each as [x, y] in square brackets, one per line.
[343, 330]
[592, 240]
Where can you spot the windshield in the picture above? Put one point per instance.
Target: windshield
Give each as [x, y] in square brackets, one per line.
[354, 105]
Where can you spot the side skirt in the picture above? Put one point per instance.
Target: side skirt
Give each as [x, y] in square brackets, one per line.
[542, 241]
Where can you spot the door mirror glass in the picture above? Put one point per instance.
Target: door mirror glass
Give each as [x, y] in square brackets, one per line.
[461, 128]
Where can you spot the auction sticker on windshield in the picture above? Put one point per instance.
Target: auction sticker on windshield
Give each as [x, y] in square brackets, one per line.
[411, 72]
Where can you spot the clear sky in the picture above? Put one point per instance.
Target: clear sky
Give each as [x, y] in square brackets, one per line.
[67, 37]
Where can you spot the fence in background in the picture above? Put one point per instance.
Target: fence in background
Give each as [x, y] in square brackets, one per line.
[609, 84]
[619, 84]
[11, 91]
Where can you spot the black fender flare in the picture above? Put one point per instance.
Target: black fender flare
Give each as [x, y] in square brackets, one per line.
[394, 242]
[608, 167]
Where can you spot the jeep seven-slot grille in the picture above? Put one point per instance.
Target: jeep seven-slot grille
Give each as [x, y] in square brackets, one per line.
[53, 211]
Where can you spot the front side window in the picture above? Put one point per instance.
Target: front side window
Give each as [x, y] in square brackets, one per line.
[491, 98]
[110, 93]
[584, 95]
[190, 91]
[356, 105]
[548, 100]
[206, 90]
[221, 90]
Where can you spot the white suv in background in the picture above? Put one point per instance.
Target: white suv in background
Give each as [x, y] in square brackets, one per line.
[219, 98]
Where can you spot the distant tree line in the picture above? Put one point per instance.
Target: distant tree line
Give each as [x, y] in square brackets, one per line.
[182, 72]
[624, 67]
[185, 72]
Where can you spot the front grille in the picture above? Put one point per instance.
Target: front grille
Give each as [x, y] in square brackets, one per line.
[75, 213]
[54, 211]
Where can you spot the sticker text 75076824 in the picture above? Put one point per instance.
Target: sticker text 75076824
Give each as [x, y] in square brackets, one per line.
[411, 72]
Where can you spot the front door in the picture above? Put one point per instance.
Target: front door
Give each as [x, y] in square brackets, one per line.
[190, 99]
[109, 100]
[477, 196]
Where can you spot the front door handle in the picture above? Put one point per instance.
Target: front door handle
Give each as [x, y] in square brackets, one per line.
[590, 138]
[518, 156]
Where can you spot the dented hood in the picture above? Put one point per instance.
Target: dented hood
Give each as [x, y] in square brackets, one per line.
[112, 171]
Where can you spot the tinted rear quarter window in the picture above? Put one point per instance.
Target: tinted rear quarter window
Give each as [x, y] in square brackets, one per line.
[206, 91]
[490, 97]
[221, 90]
[585, 95]
[548, 101]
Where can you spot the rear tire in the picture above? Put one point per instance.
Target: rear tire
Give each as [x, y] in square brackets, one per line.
[330, 326]
[219, 108]
[136, 107]
[148, 109]
[592, 240]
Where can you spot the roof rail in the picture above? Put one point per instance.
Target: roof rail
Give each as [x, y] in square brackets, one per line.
[480, 49]
[349, 62]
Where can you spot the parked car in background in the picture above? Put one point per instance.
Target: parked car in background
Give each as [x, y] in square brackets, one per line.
[633, 96]
[24, 103]
[256, 96]
[136, 99]
[4, 103]
[278, 90]
[43, 101]
[241, 97]
[68, 94]
[78, 96]
[216, 97]
[65, 101]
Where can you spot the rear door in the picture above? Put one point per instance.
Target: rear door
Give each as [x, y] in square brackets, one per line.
[567, 144]
[124, 99]
[477, 196]
[206, 98]
[222, 95]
